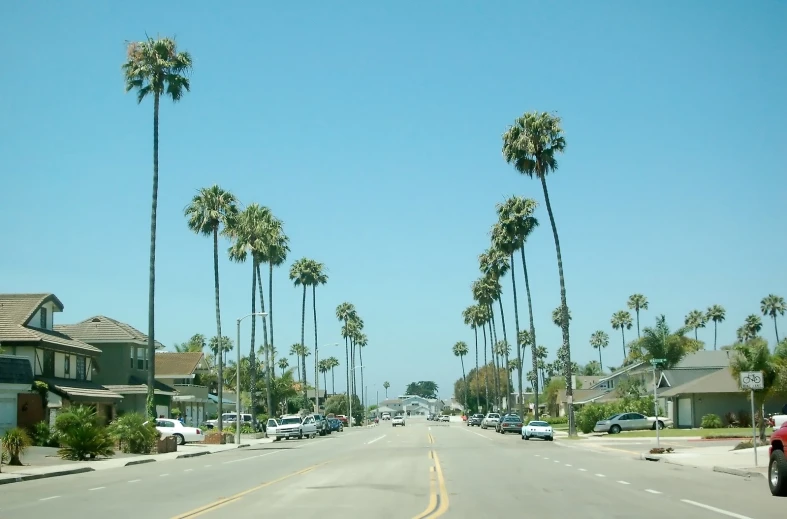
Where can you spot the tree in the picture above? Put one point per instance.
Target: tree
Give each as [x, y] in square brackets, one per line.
[386, 385]
[532, 144]
[557, 317]
[460, 350]
[211, 209]
[659, 342]
[637, 302]
[592, 369]
[773, 306]
[283, 364]
[471, 317]
[333, 362]
[695, 320]
[318, 277]
[621, 320]
[276, 246]
[599, 340]
[716, 313]
[196, 343]
[300, 275]
[750, 329]
[154, 67]
[485, 291]
[345, 312]
[324, 367]
[424, 389]
[494, 265]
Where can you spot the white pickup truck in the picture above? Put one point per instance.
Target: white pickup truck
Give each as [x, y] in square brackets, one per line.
[291, 426]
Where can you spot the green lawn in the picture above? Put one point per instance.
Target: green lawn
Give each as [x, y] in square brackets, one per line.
[731, 432]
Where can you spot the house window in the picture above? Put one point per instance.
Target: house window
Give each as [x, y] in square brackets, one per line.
[142, 355]
[81, 368]
[67, 366]
[131, 354]
[43, 322]
[49, 363]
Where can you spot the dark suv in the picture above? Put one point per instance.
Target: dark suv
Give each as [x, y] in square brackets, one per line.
[475, 420]
[323, 426]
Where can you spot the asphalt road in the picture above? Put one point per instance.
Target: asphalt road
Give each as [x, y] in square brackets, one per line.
[424, 470]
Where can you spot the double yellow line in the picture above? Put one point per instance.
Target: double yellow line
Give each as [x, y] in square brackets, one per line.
[438, 493]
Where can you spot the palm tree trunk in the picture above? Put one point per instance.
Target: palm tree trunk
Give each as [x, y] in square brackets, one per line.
[477, 371]
[270, 347]
[493, 333]
[363, 402]
[303, 340]
[495, 373]
[298, 366]
[462, 360]
[314, 308]
[564, 311]
[347, 366]
[265, 343]
[151, 399]
[252, 353]
[776, 329]
[696, 337]
[516, 340]
[623, 336]
[508, 366]
[325, 380]
[218, 316]
[638, 335]
[715, 333]
[599, 359]
[486, 378]
[333, 380]
[533, 351]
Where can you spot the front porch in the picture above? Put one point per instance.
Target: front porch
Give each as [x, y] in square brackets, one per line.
[64, 393]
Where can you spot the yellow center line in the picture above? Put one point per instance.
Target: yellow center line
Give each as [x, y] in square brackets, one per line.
[227, 500]
[430, 438]
[443, 508]
[438, 493]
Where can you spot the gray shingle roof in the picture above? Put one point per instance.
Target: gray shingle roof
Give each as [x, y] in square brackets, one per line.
[104, 330]
[81, 391]
[15, 370]
[705, 359]
[678, 377]
[17, 309]
[720, 381]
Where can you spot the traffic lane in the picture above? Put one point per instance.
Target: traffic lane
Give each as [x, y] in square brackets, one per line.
[389, 477]
[680, 489]
[172, 485]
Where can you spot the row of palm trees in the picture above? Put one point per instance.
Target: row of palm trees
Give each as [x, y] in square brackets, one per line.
[354, 342]
[531, 145]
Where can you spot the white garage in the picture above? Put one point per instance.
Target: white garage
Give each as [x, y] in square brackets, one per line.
[16, 376]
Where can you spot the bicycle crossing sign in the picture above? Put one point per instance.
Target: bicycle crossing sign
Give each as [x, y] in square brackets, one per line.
[752, 380]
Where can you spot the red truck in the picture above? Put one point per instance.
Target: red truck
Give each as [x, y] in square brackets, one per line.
[777, 467]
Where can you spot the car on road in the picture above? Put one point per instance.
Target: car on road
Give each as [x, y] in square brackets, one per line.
[398, 420]
[182, 433]
[323, 427]
[538, 429]
[342, 418]
[386, 416]
[445, 418]
[293, 426]
[475, 420]
[510, 423]
[490, 420]
[336, 424]
[630, 422]
[777, 464]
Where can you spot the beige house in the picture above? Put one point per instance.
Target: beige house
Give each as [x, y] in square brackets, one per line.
[183, 371]
[65, 364]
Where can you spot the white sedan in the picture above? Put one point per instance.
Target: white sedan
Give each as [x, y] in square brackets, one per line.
[538, 429]
[398, 420]
[182, 433]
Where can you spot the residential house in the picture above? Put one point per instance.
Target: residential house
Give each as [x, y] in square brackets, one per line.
[124, 362]
[16, 377]
[66, 365]
[184, 372]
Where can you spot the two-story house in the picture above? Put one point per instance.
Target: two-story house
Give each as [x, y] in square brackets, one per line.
[188, 373]
[124, 362]
[65, 364]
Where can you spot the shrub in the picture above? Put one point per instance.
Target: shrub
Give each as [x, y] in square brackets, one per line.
[81, 436]
[133, 435]
[591, 413]
[15, 441]
[744, 419]
[711, 421]
[42, 435]
[556, 420]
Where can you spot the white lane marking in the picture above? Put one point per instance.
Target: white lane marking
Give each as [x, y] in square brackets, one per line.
[96, 488]
[253, 457]
[376, 439]
[583, 470]
[557, 461]
[568, 464]
[188, 470]
[481, 435]
[652, 491]
[714, 509]
[206, 466]
[537, 455]
[48, 498]
[601, 475]
[163, 475]
[430, 427]
[134, 480]
[624, 482]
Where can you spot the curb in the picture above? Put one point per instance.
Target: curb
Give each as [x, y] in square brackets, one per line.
[31, 477]
[244, 445]
[139, 462]
[192, 455]
[738, 472]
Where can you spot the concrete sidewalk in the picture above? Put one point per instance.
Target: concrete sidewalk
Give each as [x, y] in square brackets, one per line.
[719, 459]
[26, 473]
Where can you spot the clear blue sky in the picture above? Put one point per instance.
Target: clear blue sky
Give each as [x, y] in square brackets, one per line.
[374, 133]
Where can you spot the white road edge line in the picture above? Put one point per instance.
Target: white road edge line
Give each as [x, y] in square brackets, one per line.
[253, 457]
[601, 475]
[163, 475]
[583, 470]
[206, 466]
[556, 461]
[134, 480]
[48, 498]
[188, 470]
[714, 509]
[652, 491]
[376, 439]
[624, 482]
[568, 464]
[96, 488]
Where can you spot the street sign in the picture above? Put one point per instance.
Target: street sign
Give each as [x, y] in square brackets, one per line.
[752, 380]
[658, 361]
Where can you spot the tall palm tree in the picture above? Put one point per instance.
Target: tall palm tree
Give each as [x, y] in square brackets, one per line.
[637, 302]
[599, 340]
[154, 67]
[460, 350]
[211, 209]
[361, 341]
[470, 315]
[386, 385]
[196, 343]
[301, 275]
[283, 364]
[318, 277]
[750, 329]
[773, 306]
[557, 316]
[271, 356]
[483, 318]
[695, 320]
[494, 263]
[621, 320]
[344, 313]
[532, 144]
[542, 355]
[277, 245]
[333, 362]
[485, 291]
[717, 314]
[324, 367]
[517, 223]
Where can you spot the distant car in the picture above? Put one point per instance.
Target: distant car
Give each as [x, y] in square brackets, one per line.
[475, 420]
[538, 429]
[630, 422]
[386, 416]
[182, 434]
[336, 424]
[342, 418]
[398, 420]
[490, 420]
[777, 465]
[445, 418]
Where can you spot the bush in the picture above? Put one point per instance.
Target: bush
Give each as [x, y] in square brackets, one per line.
[81, 436]
[556, 420]
[711, 421]
[133, 435]
[42, 435]
[15, 441]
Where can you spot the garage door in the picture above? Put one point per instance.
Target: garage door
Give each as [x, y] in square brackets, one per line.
[7, 413]
[685, 419]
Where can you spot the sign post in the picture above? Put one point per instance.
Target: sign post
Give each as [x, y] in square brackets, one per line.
[655, 362]
[753, 380]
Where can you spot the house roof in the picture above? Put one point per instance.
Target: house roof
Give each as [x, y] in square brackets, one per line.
[391, 401]
[137, 386]
[587, 381]
[705, 359]
[15, 370]
[676, 377]
[720, 381]
[170, 363]
[583, 396]
[101, 329]
[17, 309]
[81, 391]
[624, 369]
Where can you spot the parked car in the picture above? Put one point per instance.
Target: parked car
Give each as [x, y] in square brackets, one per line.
[292, 426]
[229, 419]
[777, 465]
[475, 420]
[323, 427]
[342, 418]
[538, 429]
[386, 416]
[182, 433]
[630, 422]
[398, 420]
[497, 425]
[336, 424]
[445, 418]
[490, 420]
[510, 423]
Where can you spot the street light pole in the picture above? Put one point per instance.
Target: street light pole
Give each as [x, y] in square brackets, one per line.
[237, 377]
